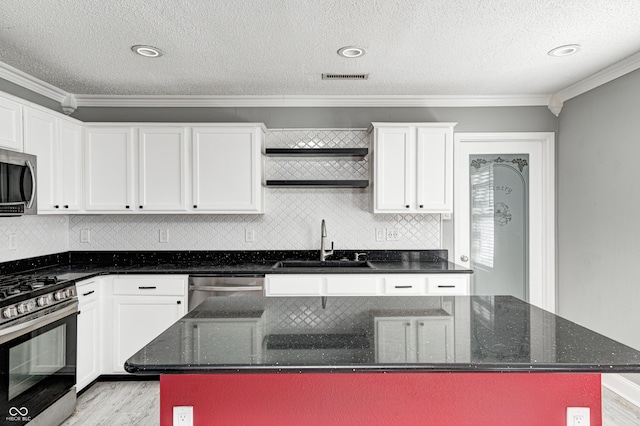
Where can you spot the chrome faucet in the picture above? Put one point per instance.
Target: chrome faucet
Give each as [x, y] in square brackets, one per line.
[323, 234]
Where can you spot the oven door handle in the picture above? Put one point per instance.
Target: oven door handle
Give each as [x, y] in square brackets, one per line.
[11, 332]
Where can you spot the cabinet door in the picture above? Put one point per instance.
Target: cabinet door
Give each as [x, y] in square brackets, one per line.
[220, 341]
[40, 134]
[138, 320]
[108, 167]
[10, 125]
[162, 168]
[227, 169]
[394, 341]
[88, 361]
[393, 182]
[294, 285]
[434, 170]
[435, 339]
[70, 166]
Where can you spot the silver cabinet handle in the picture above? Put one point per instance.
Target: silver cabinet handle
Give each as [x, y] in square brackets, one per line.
[464, 258]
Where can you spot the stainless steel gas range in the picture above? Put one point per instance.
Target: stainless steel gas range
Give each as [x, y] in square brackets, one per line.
[38, 330]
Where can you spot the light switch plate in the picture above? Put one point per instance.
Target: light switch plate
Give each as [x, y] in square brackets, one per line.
[85, 235]
[380, 234]
[164, 235]
[249, 235]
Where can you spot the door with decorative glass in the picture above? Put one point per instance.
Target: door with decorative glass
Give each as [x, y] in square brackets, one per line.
[504, 213]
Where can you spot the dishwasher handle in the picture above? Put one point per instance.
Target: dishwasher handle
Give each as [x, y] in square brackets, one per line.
[224, 288]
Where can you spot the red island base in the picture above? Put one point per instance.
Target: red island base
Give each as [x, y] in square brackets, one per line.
[367, 399]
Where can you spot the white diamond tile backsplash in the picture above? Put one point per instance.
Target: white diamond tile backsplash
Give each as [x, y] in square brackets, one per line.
[31, 236]
[291, 222]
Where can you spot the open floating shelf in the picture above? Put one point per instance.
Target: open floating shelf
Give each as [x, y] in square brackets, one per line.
[317, 152]
[318, 183]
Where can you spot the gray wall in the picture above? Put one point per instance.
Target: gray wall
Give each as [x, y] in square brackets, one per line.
[599, 210]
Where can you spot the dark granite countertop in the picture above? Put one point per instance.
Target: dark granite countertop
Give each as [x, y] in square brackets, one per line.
[77, 266]
[295, 334]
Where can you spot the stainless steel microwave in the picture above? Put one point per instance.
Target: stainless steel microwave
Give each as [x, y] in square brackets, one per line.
[17, 183]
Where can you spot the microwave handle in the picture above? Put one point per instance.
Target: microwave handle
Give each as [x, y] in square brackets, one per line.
[33, 186]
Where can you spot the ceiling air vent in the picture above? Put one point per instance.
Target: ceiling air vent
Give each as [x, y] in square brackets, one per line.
[345, 76]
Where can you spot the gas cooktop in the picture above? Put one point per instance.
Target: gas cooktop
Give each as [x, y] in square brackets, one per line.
[21, 295]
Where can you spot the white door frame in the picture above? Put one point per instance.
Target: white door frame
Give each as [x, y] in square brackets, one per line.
[542, 241]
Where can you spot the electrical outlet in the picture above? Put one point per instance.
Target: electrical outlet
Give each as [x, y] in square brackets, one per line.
[183, 416]
[13, 242]
[578, 416]
[85, 235]
[249, 235]
[379, 234]
[393, 235]
[164, 235]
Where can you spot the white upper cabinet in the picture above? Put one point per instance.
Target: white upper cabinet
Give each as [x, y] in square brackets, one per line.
[70, 166]
[10, 125]
[227, 169]
[109, 169]
[412, 167]
[58, 146]
[162, 168]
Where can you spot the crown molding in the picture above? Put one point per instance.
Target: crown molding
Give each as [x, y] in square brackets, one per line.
[34, 84]
[604, 76]
[151, 101]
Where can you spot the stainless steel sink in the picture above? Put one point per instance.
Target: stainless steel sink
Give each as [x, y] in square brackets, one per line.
[322, 264]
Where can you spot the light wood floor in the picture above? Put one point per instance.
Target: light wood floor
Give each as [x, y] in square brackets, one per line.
[138, 403]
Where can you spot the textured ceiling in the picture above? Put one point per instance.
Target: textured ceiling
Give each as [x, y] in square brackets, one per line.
[281, 47]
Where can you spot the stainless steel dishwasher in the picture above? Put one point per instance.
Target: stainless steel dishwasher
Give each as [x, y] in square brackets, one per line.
[203, 286]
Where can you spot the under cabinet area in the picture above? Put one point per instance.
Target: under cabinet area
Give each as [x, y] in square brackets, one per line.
[57, 143]
[412, 167]
[409, 339]
[291, 285]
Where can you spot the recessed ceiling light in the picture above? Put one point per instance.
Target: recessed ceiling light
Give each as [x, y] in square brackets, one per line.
[566, 50]
[147, 51]
[351, 52]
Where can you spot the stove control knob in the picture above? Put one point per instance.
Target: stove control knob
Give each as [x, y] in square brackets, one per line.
[9, 312]
[59, 295]
[43, 301]
[23, 308]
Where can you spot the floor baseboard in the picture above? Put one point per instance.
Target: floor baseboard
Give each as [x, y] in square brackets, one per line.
[623, 387]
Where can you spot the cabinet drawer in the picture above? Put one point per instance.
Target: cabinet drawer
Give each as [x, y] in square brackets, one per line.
[403, 285]
[294, 285]
[447, 285]
[352, 285]
[87, 291]
[149, 286]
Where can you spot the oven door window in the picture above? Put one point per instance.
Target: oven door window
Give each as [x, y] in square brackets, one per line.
[36, 369]
[36, 359]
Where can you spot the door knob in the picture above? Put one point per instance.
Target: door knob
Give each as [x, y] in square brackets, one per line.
[464, 258]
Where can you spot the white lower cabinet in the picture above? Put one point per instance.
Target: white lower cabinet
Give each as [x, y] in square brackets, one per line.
[142, 308]
[414, 339]
[89, 332]
[367, 285]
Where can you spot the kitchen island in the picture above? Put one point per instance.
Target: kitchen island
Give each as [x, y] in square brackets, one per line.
[379, 360]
